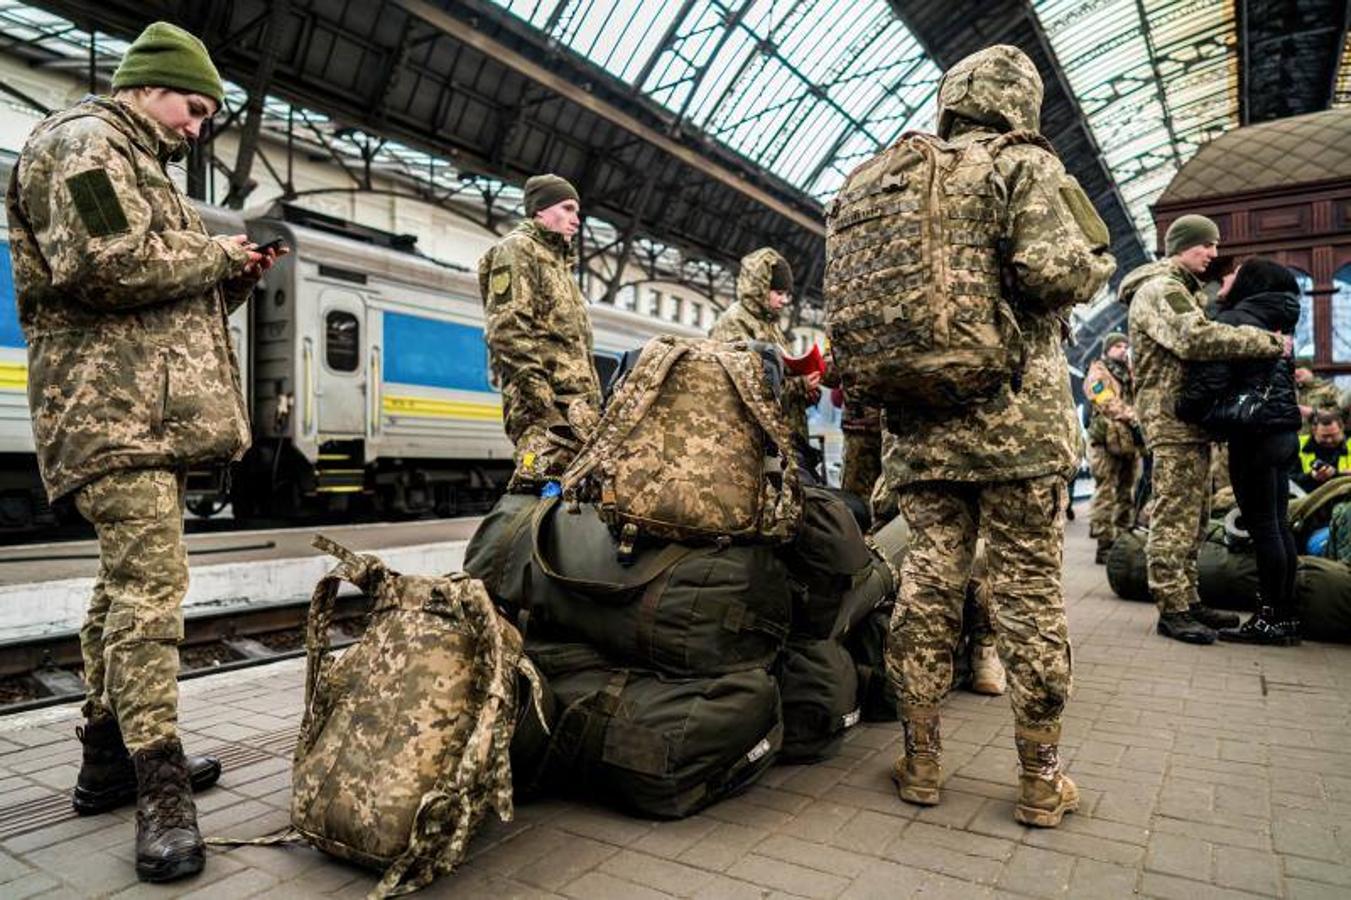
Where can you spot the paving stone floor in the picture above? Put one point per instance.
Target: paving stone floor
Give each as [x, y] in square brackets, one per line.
[1206, 773]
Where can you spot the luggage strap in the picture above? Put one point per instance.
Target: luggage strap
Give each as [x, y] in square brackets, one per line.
[637, 576]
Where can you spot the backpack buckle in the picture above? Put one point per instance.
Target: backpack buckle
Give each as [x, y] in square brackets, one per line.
[628, 538]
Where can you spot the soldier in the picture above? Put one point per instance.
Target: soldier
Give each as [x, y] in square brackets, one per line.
[763, 288]
[1315, 394]
[1168, 328]
[862, 428]
[1112, 453]
[998, 469]
[124, 299]
[539, 335]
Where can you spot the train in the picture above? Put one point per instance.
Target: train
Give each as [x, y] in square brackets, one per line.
[366, 374]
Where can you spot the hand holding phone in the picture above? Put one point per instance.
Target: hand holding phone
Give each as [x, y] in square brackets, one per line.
[274, 246]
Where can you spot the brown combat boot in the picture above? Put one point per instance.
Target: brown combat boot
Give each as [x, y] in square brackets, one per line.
[168, 844]
[917, 774]
[107, 777]
[1045, 792]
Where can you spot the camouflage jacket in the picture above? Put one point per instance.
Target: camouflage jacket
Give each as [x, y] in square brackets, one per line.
[123, 298]
[1108, 391]
[1320, 394]
[751, 319]
[538, 333]
[1169, 328]
[1060, 259]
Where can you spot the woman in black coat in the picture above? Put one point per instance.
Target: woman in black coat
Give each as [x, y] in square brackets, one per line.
[1254, 406]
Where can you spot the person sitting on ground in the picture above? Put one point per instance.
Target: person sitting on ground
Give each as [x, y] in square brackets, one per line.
[1324, 453]
[1255, 407]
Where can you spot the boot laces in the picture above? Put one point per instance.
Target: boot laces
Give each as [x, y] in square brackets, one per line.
[1041, 760]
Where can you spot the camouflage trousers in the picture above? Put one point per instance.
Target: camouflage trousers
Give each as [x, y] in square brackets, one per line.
[1177, 523]
[1023, 524]
[135, 620]
[862, 462]
[1113, 493]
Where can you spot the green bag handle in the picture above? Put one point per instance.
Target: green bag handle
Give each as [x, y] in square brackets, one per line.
[638, 575]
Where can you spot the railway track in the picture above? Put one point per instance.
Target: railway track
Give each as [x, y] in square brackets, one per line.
[37, 672]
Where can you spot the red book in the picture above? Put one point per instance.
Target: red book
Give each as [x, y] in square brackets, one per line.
[806, 364]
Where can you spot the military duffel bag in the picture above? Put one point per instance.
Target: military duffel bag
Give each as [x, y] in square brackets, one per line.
[692, 447]
[554, 659]
[867, 644]
[437, 669]
[1323, 596]
[685, 611]
[818, 684]
[663, 747]
[499, 552]
[1127, 574]
[824, 560]
[530, 741]
[1225, 578]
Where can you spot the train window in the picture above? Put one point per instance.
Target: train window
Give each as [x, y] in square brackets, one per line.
[343, 341]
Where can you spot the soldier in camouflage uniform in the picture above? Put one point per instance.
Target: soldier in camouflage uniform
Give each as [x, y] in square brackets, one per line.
[862, 428]
[539, 335]
[764, 286]
[1169, 328]
[998, 469]
[1112, 454]
[124, 299]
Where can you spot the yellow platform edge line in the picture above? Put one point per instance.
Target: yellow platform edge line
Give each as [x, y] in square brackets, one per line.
[13, 376]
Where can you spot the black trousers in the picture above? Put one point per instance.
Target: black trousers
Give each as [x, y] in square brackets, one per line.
[1259, 469]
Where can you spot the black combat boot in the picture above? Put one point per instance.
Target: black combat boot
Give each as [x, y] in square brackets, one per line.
[168, 844]
[1264, 627]
[1213, 618]
[107, 777]
[1180, 626]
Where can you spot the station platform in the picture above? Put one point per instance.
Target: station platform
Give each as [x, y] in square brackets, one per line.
[46, 587]
[1206, 772]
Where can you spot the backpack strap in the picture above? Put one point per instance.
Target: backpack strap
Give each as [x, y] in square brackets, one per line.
[637, 576]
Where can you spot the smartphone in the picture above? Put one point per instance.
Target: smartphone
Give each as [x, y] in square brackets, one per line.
[272, 246]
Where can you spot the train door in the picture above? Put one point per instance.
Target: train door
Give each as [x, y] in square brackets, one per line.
[342, 376]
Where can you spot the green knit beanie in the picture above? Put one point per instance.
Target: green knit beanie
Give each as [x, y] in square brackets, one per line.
[543, 191]
[1190, 231]
[167, 56]
[1112, 338]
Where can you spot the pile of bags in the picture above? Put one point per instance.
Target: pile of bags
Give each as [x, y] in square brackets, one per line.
[1227, 568]
[695, 612]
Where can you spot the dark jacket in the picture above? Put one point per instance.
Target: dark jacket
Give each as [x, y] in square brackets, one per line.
[1207, 386]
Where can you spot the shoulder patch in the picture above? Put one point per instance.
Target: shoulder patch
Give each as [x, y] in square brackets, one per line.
[1085, 216]
[1179, 302]
[500, 281]
[95, 200]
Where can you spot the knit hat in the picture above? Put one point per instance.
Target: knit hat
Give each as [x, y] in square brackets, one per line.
[781, 276]
[167, 56]
[1112, 338]
[1190, 231]
[543, 191]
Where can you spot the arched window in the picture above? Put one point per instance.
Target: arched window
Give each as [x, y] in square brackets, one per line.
[1304, 330]
[1341, 314]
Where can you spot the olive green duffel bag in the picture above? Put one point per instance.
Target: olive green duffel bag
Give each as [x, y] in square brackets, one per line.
[499, 552]
[1323, 595]
[1126, 572]
[824, 561]
[818, 683]
[1226, 579]
[685, 611]
[867, 644]
[663, 747]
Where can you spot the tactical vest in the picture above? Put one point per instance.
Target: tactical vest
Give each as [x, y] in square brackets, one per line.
[917, 296]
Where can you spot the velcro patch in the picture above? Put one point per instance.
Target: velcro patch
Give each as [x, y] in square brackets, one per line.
[501, 281]
[1180, 302]
[95, 200]
[1085, 216]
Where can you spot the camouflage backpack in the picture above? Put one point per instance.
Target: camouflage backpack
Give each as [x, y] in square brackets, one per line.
[683, 452]
[1339, 540]
[438, 667]
[917, 305]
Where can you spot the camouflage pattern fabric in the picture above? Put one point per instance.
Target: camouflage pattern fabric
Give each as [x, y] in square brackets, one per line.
[123, 298]
[1022, 523]
[539, 348]
[1169, 328]
[682, 452]
[1339, 538]
[131, 632]
[862, 462]
[883, 501]
[1108, 391]
[1177, 523]
[438, 667]
[1057, 249]
[1113, 508]
[751, 319]
[1320, 394]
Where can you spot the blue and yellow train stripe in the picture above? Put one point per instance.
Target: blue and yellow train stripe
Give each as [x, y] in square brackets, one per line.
[427, 408]
[13, 376]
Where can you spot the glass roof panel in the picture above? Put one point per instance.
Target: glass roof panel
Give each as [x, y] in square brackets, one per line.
[790, 84]
[1164, 82]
